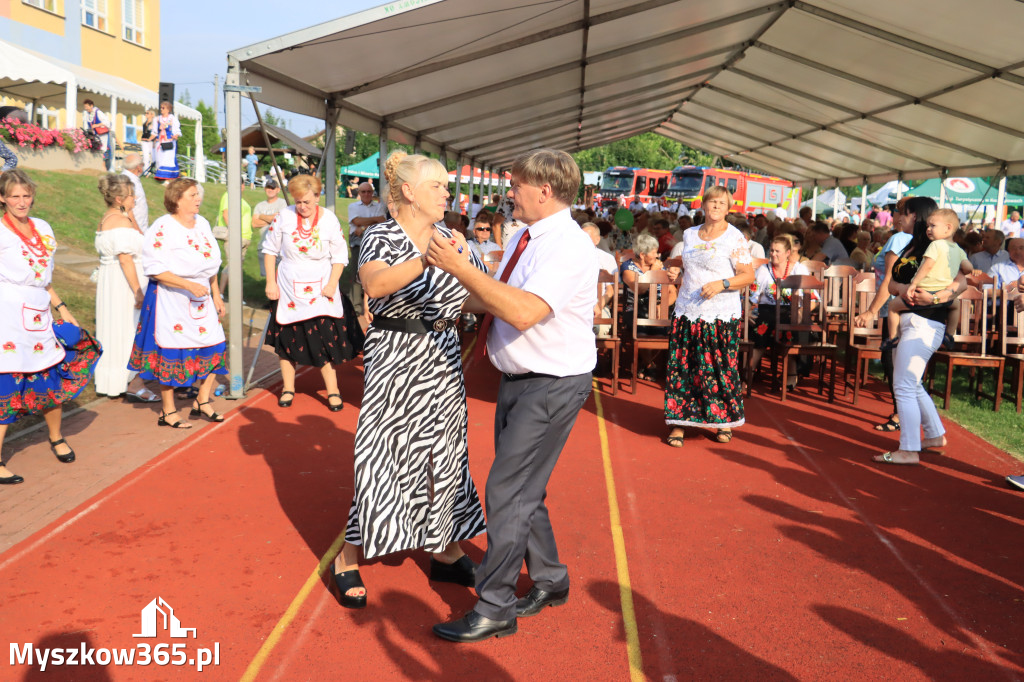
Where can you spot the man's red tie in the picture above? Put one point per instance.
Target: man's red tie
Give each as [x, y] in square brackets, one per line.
[485, 325]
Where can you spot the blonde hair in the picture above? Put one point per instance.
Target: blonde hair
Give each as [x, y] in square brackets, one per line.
[549, 167]
[716, 192]
[410, 169]
[115, 186]
[14, 177]
[948, 216]
[303, 183]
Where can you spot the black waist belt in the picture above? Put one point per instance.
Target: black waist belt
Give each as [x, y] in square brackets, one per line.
[529, 375]
[413, 325]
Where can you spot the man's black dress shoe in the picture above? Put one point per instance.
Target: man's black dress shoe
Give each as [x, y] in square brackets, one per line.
[536, 599]
[474, 628]
[462, 572]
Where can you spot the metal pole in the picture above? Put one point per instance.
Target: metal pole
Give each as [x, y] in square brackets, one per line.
[899, 187]
[1000, 200]
[112, 134]
[472, 180]
[216, 93]
[233, 114]
[814, 203]
[942, 190]
[383, 183]
[458, 182]
[835, 201]
[266, 141]
[864, 200]
[330, 158]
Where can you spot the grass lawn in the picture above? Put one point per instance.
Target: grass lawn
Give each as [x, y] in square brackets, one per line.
[71, 203]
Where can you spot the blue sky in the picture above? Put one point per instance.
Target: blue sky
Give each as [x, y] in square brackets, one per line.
[195, 38]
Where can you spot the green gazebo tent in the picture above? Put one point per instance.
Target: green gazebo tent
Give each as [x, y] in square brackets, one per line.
[967, 192]
[368, 168]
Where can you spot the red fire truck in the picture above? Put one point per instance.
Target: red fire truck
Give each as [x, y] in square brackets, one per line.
[751, 193]
[621, 185]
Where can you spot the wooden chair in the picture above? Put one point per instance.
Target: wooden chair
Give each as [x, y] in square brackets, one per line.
[807, 317]
[1011, 338]
[746, 346]
[613, 341]
[838, 281]
[863, 342]
[970, 339]
[659, 315]
[492, 260]
[624, 255]
[815, 267]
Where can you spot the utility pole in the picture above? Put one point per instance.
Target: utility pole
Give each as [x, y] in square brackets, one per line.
[216, 93]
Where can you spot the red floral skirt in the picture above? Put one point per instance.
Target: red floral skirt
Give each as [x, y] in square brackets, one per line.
[703, 388]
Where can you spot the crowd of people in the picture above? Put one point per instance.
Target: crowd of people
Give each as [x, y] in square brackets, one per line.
[159, 308]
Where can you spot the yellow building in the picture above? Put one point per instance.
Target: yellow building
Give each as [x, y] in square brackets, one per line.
[110, 50]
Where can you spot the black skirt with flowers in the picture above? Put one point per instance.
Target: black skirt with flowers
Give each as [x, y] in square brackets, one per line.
[317, 341]
[703, 388]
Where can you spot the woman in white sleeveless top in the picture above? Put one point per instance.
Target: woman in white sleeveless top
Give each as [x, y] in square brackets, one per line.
[120, 287]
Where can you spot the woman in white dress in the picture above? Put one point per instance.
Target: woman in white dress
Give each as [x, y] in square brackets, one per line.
[311, 322]
[43, 364]
[120, 288]
[703, 388]
[180, 339]
[165, 148]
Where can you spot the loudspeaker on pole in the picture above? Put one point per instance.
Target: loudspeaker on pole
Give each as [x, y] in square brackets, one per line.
[167, 93]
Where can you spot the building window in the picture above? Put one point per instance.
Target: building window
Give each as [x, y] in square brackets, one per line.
[46, 118]
[94, 14]
[134, 21]
[132, 128]
[48, 5]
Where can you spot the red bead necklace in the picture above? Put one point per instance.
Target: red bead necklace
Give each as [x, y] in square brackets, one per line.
[307, 233]
[34, 243]
[785, 274]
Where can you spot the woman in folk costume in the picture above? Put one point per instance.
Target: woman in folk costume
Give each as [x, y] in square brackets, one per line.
[165, 149]
[43, 364]
[180, 339]
[311, 323]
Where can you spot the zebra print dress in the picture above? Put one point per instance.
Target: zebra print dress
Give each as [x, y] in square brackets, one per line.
[412, 482]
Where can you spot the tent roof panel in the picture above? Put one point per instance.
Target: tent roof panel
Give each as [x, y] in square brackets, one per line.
[738, 78]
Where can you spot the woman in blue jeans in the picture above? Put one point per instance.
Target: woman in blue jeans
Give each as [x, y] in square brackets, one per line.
[920, 336]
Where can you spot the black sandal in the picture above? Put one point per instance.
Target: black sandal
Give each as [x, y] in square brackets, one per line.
[345, 581]
[890, 425]
[281, 402]
[676, 441]
[180, 424]
[335, 408]
[68, 458]
[724, 435]
[198, 412]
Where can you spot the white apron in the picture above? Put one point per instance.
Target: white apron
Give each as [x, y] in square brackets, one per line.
[28, 344]
[185, 321]
[301, 283]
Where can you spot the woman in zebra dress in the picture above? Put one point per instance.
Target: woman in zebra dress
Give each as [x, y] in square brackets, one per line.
[412, 483]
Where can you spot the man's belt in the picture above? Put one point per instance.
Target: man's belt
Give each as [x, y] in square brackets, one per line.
[413, 325]
[528, 375]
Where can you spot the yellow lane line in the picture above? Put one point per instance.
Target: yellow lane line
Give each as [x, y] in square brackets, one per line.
[636, 664]
[293, 609]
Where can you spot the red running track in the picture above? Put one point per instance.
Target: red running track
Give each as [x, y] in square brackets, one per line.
[786, 554]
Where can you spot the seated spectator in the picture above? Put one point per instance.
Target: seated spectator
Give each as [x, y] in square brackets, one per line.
[756, 250]
[660, 231]
[1013, 268]
[481, 242]
[862, 255]
[972, 243]
[645, 259]
[822, 246]
[991, 253]
[848, 237]
[606, 262]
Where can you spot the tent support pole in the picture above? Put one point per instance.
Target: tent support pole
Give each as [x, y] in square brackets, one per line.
[472, 186]
[899, 187]
[273, 158]
[942, 188]
[456, 206]
[814, 203]
[864, 200]
[233, 113]
[1000, 199]
[329, 161]
[383, 160]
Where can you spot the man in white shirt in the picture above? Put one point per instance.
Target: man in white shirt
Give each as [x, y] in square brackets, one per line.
[636, 205]
[265, 212]
[680, 208]
[1011, 226]
[133, 168]
[543, 343]
[991, 253]
[1010, 270]
[781, 213]
[361, 214]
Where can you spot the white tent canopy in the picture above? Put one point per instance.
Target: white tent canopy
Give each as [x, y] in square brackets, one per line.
[822, 92]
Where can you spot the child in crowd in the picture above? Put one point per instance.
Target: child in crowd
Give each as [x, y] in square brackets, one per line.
[941, 262]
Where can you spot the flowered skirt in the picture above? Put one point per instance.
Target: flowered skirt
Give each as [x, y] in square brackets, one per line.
[26, 393]
[762, 329]
[319, 340]
[170, 366]
[703, 387]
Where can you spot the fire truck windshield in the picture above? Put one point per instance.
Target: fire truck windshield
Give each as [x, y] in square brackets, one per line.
[621, 183]
[686, 182]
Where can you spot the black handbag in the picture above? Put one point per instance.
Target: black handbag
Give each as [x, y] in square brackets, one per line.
[167, 146]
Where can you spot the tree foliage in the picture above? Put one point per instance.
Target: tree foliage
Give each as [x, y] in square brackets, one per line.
[647, 150]
[188, 128]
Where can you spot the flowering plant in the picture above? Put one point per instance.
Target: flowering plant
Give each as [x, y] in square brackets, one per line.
[32, 136]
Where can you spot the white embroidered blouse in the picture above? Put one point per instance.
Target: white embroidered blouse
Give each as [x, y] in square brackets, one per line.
[709, 261]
